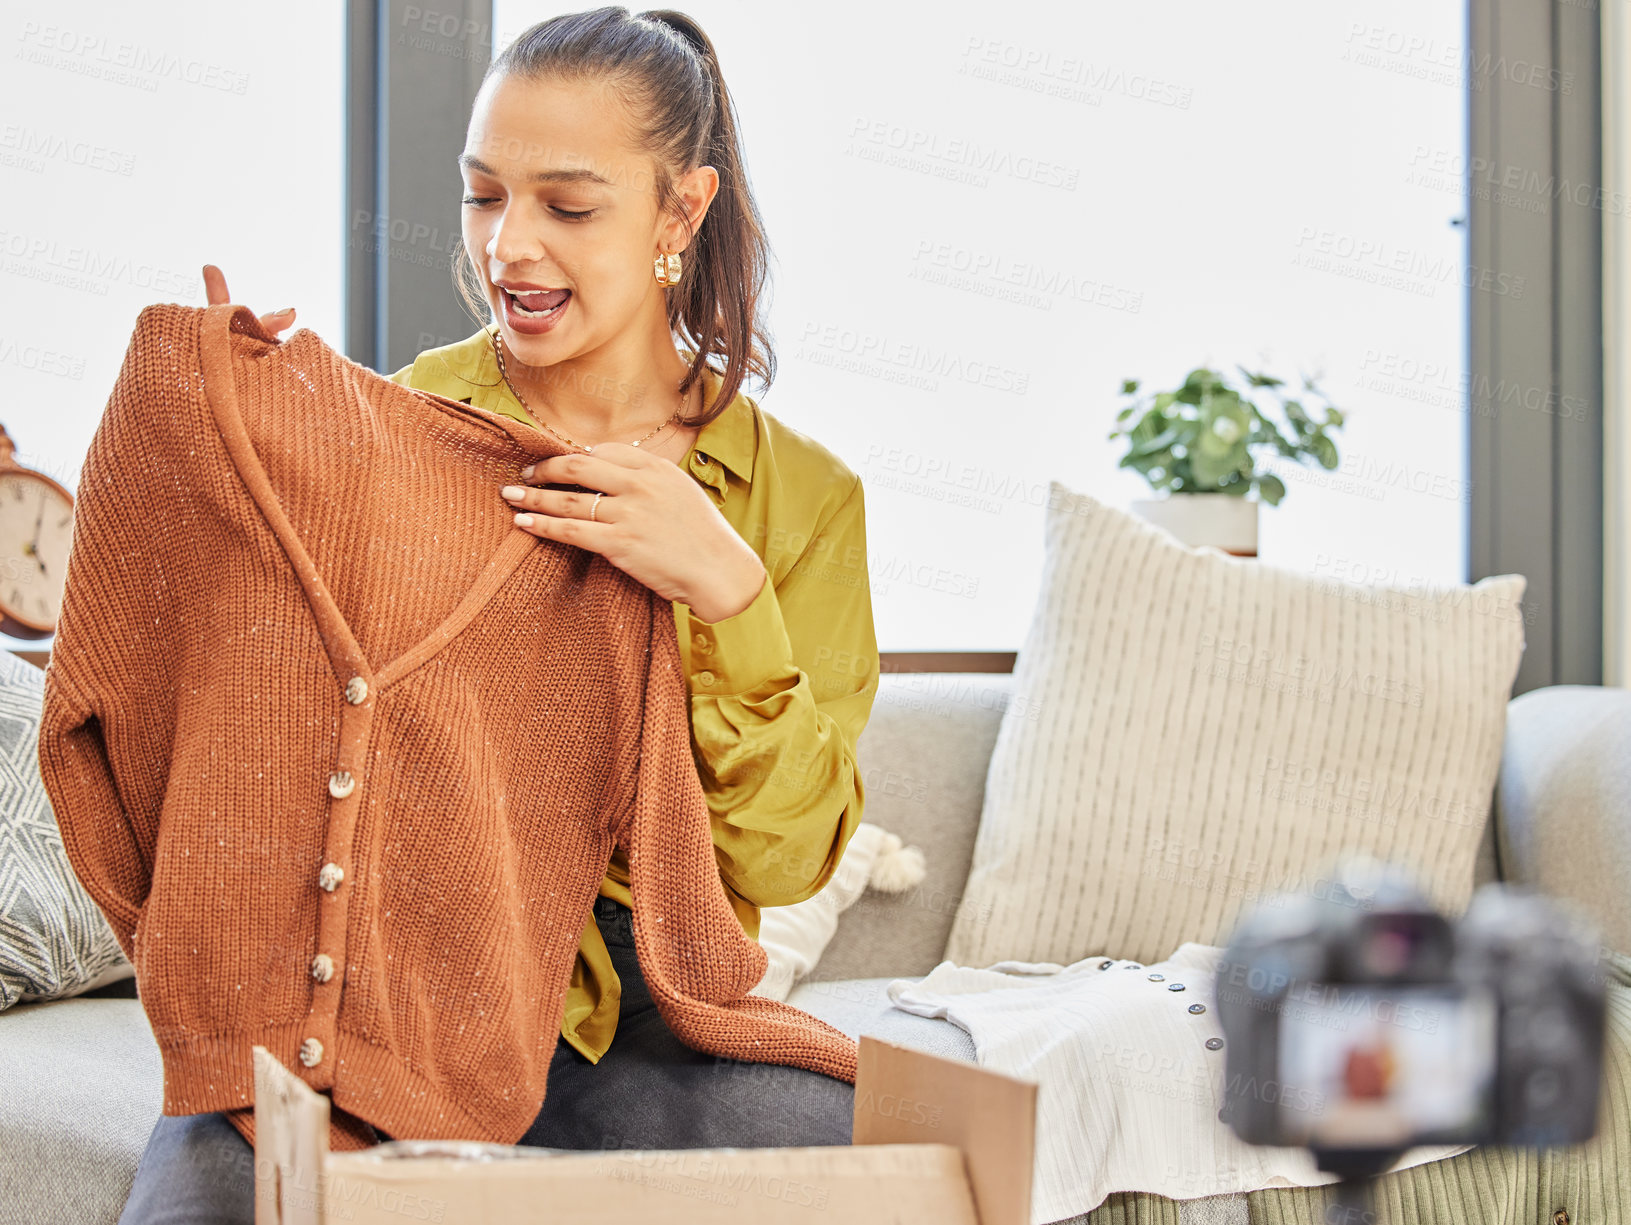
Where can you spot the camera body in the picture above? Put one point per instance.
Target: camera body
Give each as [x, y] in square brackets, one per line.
[1359, 1022]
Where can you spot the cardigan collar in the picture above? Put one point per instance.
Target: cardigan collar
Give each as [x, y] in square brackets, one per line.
[730, 438]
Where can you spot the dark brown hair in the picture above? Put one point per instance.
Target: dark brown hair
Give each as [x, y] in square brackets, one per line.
[663, 67]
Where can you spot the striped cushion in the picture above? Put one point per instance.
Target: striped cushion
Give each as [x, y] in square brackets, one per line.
[1189, 731]
[54, 941]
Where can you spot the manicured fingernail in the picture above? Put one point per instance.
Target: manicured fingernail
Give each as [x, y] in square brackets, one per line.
[526, 473]
[287, 310]
[512, 492]
[523, 521]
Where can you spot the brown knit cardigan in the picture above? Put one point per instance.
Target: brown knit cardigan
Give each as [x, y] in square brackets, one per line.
[342, 754]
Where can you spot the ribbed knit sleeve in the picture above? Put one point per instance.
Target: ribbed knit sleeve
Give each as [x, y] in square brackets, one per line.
[109, 856]
[105, 728]
[699, 964]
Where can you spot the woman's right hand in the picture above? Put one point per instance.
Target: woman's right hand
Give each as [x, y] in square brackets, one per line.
[215, 291]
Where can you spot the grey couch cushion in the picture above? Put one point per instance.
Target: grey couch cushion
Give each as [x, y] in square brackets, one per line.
[923, 759]
[861, 1006]
[81, 1086]
[1564, 800]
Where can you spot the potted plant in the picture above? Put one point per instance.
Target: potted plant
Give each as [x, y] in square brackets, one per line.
[1206, 446]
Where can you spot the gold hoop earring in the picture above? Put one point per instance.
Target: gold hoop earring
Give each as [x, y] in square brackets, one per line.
[666, 268]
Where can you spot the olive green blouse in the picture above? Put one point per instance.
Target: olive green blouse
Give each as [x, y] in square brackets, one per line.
[779, 692]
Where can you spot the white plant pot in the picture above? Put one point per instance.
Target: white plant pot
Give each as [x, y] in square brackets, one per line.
[1202, 520]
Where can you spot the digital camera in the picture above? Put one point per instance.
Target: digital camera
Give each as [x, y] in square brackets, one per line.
[1358, 1022]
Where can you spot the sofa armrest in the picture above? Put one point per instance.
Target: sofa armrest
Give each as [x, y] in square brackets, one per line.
[1563, 801]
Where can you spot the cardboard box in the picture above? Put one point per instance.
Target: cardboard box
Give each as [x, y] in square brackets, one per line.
[935, 1140]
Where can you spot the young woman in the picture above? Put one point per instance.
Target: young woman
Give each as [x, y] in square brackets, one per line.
[601, 144]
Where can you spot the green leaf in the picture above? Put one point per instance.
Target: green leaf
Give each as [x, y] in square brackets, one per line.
[1129, 386]
[1161, 442]
[1126, 412]
[1270, 489]
[1324, 450]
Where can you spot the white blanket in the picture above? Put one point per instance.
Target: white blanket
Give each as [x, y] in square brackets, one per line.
[1129, 1094]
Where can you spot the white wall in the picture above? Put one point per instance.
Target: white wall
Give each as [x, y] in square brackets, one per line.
[1177, 183]
[137, 143]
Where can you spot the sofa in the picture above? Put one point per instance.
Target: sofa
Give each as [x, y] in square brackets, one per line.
[81, 1080]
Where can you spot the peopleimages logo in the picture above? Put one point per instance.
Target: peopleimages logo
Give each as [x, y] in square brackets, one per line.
[1381, 262]
[930, 148]
[86, 268]
[38, 147]
[943, 262]
[1271, 667]
[1371, 44]
[868, 351]
[1393, 372]
[56, 46]
[1064, 76]
[1513, 181]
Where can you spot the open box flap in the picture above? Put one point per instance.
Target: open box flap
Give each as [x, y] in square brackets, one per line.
[907, 1096]
[930, 1135]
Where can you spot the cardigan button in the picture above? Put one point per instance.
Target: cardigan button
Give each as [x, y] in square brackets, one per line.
[356, 691]
[331, 875]
[341, 784]
[311, 1052]
[322, 967]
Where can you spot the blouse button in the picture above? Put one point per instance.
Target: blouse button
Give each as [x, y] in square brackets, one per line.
[330, 876]
[702, 643]
[707, 678]
[341, 784]
[322, 967]
[311, 1052]
[356, 691]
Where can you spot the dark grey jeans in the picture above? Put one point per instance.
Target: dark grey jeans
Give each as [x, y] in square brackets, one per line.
[649, 1090]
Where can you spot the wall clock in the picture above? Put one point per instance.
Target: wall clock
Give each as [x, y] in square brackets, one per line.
[36, 528]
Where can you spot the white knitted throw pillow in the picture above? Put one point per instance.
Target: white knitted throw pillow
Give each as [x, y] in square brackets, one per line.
[1189, 731]
[795, 936]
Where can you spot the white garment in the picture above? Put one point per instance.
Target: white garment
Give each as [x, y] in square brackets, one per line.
[1128, 1095]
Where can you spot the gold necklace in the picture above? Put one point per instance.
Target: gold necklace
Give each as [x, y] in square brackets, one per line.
[498, 351]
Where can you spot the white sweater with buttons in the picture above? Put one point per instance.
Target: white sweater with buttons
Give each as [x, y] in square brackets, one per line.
[1129, 1063]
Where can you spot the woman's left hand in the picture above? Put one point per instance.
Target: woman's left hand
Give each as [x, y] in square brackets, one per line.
[655, 523]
